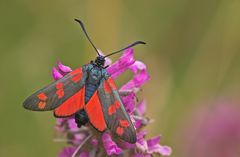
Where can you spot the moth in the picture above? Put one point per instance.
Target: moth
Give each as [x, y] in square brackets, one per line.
[90, 95]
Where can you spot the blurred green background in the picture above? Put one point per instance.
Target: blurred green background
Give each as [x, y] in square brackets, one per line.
[193, 56]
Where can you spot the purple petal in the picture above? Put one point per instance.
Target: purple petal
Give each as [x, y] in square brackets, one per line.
[56, 74]
[165, 150]
[72, 124]
[138, 65]
[155, 147]
[127, 145]
[141, 142]
[162, 150]
[129, 102]
[84, 154]
[142, 145]
[141, 108]
[153, 141]
[67, 152]
[78, 138]
[94, 141]
[141, 134]
[122, 64]
[138, 123]
[109, 145]
[137, 80]
[63, 68]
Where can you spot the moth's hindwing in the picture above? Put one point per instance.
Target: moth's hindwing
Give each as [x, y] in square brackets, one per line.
[66, 95]
[115, 116]
[95, 112]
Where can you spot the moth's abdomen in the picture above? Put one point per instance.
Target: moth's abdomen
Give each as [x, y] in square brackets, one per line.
[91, 85]
[81, 118]
[89, 90]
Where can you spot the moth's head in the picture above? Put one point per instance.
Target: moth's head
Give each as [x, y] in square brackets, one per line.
[100, 60]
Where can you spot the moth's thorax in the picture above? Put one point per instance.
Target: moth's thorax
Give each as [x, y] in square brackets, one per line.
[94, 77]
[95, 74]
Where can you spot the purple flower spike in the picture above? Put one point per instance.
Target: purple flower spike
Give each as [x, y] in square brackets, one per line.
[63, 68]
[109, 145]
[56, 75]
[129, 102]
[86, 141]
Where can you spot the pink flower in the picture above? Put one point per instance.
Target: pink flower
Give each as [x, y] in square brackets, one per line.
[155, 147]
[110, 146]
[103, 143]
[213, 131]
[67, 152]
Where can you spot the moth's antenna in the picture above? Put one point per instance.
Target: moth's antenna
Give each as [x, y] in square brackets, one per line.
[85, 32]
[131, 45]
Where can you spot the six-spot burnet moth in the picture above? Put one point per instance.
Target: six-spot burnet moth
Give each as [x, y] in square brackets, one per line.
[88, 93]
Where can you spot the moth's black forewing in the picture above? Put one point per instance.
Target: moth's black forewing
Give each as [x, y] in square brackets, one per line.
[112, 121]
[52, 102]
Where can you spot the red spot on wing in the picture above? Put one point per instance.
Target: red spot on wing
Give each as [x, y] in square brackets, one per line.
[76, 75]
[77, 78]
[41, 105]
[120, 130]
[124, 123]
[59, 85]
[95, 113]
[42, 97]
[113, 108]
[60, 93]
[117, 104]
[71, 105]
